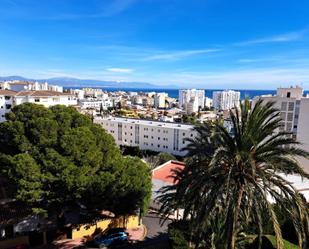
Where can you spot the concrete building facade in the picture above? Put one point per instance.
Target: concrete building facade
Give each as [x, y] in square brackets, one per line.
[148, 135]
[294, 111]
[6, 102]
[186, 95]
[225, 100]
[159, 100]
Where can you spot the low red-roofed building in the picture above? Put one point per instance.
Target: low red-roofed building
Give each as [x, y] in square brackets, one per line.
[165, 172]
[163, 176]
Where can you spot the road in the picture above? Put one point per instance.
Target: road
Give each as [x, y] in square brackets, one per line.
[156, 234]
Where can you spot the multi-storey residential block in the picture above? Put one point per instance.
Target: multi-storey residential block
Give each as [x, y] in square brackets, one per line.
[159, 100]
[191, 95]
[95, 103]
[6, 102]
[93, 92]
[192, 106]
[18, 86]
[9, 98]
[294, 111]
[45, 98]
[225, 100]
[148, 135]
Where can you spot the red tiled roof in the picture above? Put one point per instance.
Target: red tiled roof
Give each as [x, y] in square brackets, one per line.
[7, 92]
[42, 93]
[165, 171]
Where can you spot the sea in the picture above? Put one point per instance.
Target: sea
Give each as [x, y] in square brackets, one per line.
[208, 92]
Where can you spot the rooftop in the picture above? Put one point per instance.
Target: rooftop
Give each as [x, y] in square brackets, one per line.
[165, 171]
[7, 92]
[42, 93]
[148, 122]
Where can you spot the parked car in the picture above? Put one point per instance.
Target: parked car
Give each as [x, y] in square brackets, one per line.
[112, 237]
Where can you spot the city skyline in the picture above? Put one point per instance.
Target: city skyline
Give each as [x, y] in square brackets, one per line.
[202, 44]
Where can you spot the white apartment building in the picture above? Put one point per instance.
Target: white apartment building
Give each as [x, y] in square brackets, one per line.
[18, 86]
[148, 135]
[45, 98]
[159, 100]
[226, 100]
[95, 103]
[6, 102]
[192, 106]
[185, 95]
[93, 92]
[294, 108]
[9, 98]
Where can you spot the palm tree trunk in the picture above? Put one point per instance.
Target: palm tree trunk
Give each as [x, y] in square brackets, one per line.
[233, 221]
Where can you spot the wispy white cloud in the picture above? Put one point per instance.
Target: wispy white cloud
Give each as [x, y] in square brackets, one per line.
[178, 54]
[103, 9]
[286, 37]
[119, 70]
[261, 78]
[116, 7]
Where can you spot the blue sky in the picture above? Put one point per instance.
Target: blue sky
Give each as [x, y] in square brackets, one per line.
[257, 44]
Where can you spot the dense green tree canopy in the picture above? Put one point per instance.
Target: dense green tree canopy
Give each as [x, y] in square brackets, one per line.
[57, 156]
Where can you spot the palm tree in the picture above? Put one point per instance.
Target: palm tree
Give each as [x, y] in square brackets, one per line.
[242, 174]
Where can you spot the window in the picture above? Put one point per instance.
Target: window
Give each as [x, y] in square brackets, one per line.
[158, 145]
[289, 126]
[283, 106]
[290, 116]
[183, 134]
[158, 138]
[7, 97]
[283, 114]
[36, 100]
[8, 106]
[291, 106]
[288, 95]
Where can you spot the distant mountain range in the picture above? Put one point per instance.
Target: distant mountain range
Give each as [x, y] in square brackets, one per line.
[73, 82]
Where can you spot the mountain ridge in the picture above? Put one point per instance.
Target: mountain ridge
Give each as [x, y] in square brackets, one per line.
[75, 82]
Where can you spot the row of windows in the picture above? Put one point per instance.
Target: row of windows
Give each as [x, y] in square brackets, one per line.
[289, 105]
[164, 146]
[287, 116]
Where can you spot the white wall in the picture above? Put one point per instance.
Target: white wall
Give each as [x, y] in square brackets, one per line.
[157, 138]
[303, 130]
